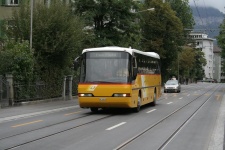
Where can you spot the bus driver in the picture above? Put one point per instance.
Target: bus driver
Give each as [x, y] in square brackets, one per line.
[123, 72]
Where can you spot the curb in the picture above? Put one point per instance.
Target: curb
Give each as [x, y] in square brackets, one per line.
[43, 101]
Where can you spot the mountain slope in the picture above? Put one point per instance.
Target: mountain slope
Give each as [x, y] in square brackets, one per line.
[208, 20]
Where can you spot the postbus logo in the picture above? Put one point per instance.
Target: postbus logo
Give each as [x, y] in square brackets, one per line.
[92, 87]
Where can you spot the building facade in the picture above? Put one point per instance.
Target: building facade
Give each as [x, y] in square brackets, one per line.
[206, 45]
[217, 67]
[222, 72]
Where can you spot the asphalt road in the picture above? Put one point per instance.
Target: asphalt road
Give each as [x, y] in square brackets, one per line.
[192, 119]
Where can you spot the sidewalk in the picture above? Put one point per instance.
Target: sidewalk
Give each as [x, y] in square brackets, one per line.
[37, 107]
[217, 139]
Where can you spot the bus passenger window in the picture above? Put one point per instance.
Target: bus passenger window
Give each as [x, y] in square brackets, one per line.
[134, 62]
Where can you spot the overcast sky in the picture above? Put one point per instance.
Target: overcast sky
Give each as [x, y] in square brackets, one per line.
[219, 4]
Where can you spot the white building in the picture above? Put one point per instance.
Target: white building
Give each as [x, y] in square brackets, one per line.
[222, 77]
[206, 44]
[217, 74]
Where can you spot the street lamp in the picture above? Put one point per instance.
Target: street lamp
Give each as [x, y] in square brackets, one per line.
[149, 9]
[31, 23]
[178, 66]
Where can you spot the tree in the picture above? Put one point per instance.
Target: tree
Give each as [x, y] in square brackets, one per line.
[221, 42]
[162, 31]
[186, 61]
[184, 13]
[200, 61]
[17, 60]
[190, 63]
[57, 37]
[111, 22]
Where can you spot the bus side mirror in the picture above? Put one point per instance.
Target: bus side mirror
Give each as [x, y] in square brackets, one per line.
[135, 71]
[76, 63]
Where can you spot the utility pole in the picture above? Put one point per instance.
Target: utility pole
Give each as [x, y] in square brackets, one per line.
[178, 66]
[149, 9]
[31, 23]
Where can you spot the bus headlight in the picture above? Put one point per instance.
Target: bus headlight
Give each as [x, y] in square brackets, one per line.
[121, 95]
[85, 95]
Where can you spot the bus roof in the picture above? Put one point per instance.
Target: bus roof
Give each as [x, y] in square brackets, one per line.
[129, 50]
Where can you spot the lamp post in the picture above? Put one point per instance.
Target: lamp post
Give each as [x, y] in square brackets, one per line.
[31, 23]
[178, 67]
[149, 9]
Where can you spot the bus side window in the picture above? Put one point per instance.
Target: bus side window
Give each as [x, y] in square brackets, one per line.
[157, 71]
[134, 68]
[134, 63]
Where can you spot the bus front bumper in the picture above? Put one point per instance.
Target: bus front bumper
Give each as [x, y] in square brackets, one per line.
[104, 102]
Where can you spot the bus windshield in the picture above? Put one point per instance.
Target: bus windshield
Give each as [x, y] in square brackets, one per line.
[105, 67]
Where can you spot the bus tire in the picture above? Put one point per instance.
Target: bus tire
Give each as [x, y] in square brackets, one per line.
[137, 109]
[94, 109]
[154, 99]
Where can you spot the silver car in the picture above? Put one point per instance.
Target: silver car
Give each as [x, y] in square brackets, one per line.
[172, 86]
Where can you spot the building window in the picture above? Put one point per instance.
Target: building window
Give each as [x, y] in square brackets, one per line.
[47, 3]
[12, 2]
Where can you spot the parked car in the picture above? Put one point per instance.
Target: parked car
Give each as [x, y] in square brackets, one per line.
[172, 86]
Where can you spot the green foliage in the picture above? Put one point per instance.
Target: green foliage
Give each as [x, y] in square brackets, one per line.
[17, 60]
[162, 32]
[56, 40]
[186, 61]
[191, 62]
[111, 22]
[200, 61]
[184, 13]
[57, 37]
[221, 42]
[187, 58]
[20, 24]
[60, 34]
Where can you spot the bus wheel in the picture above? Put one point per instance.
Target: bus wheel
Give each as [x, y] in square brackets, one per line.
[154, 100]
[94, 109]
[137, 109]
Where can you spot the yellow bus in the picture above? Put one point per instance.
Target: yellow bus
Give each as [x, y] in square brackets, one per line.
[118, 77]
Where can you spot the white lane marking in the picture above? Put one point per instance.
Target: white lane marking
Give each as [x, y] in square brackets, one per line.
[120, 124]
[181, 98]
[169, 103]
[151, 111]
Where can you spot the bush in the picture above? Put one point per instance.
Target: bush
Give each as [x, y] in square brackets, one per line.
[16, 59]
